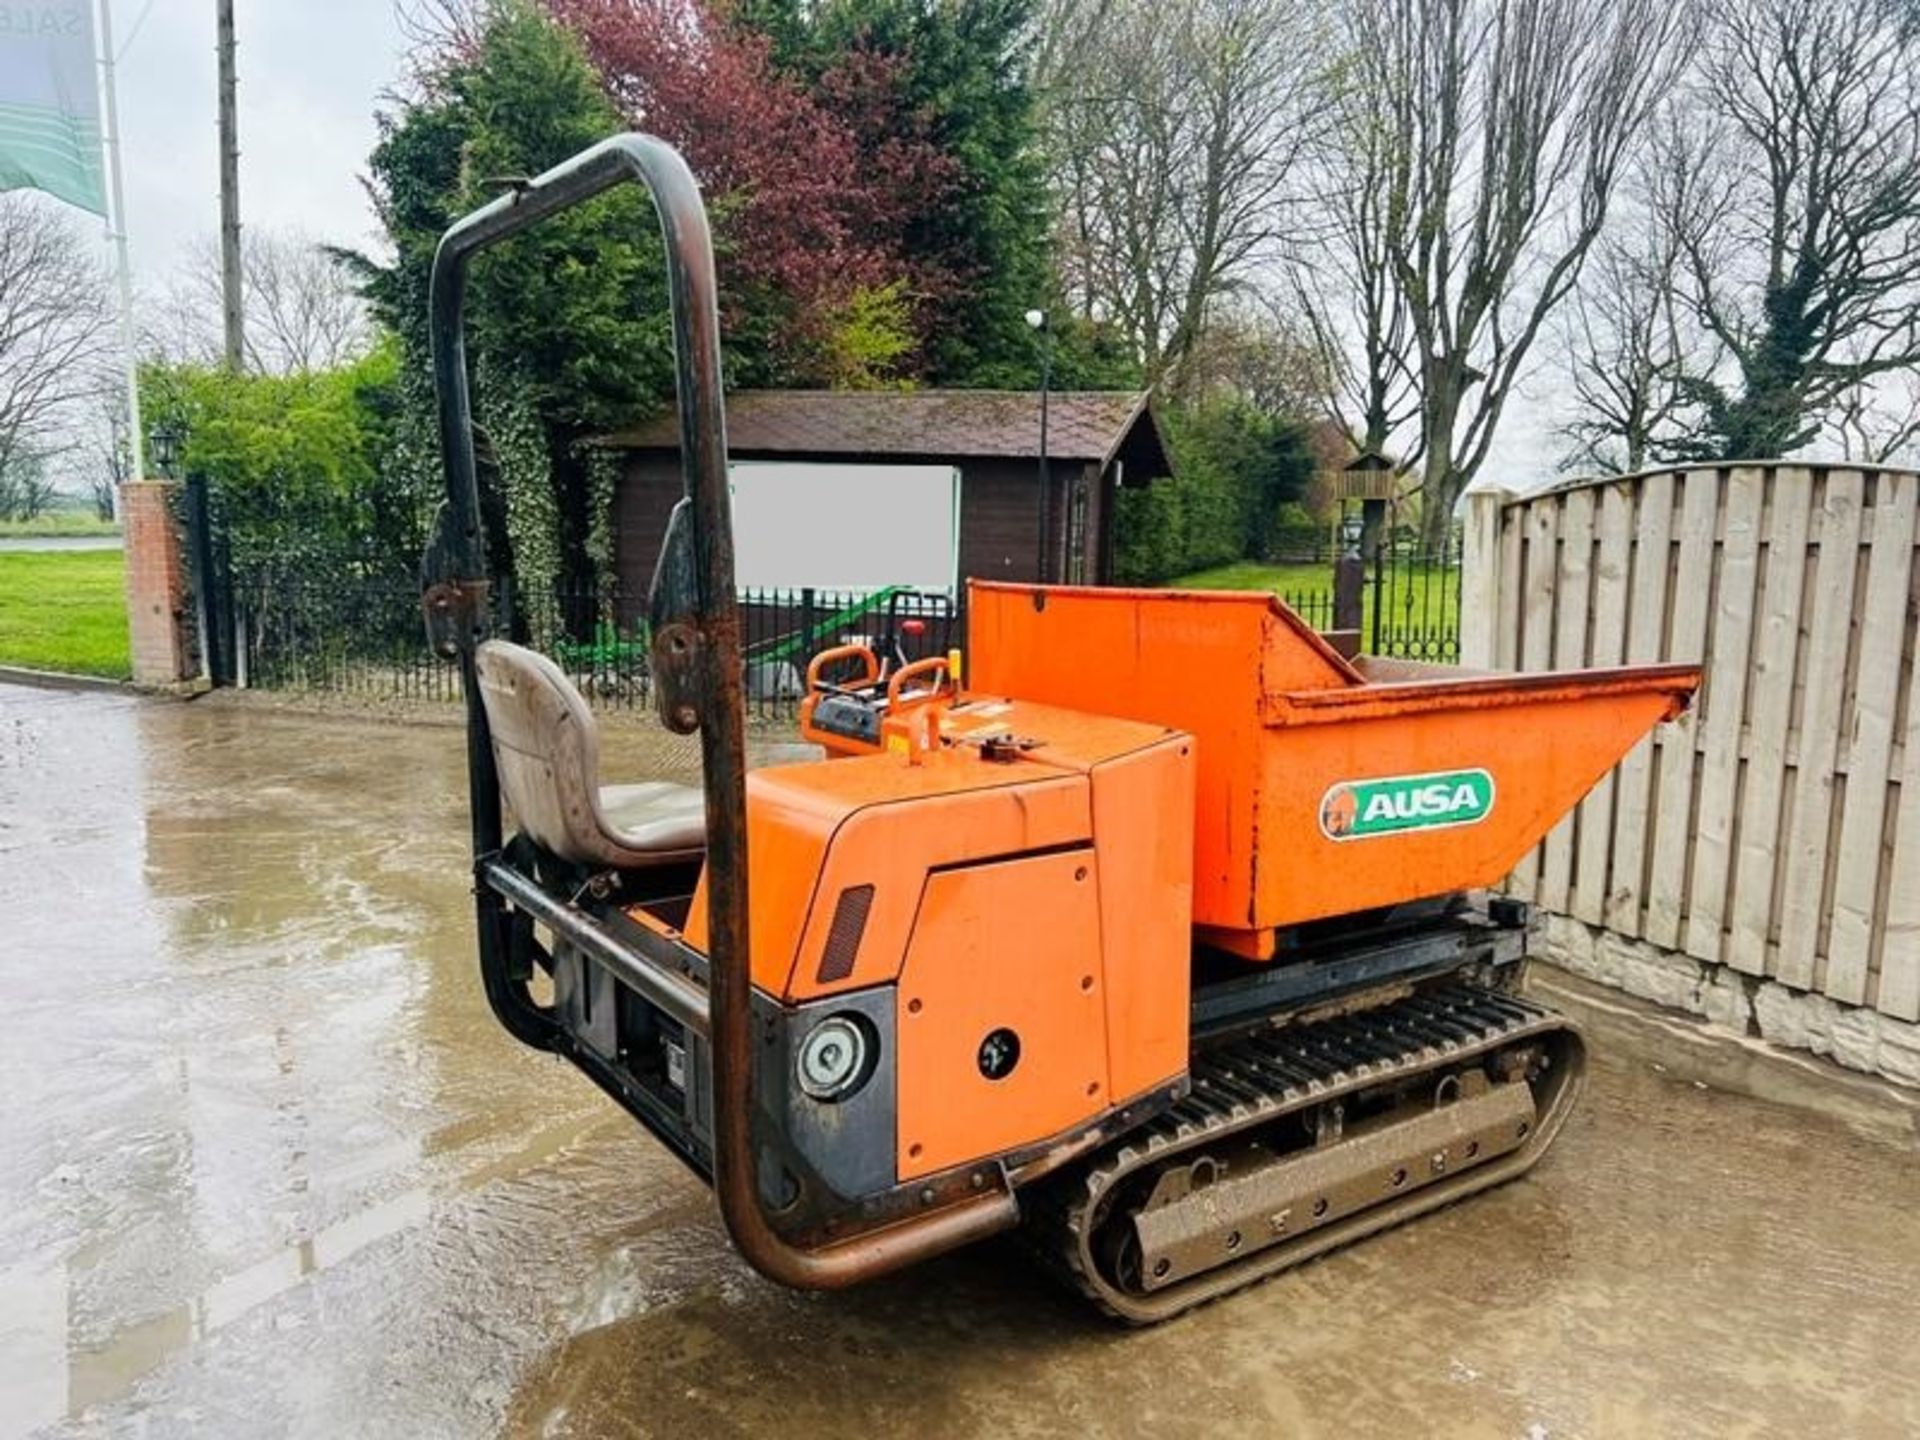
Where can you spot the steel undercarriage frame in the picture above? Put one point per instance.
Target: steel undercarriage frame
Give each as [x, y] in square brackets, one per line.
[655, 1002]
[595, 942]
[1458, 1087]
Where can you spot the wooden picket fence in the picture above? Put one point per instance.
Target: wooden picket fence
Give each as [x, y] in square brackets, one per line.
[1775, 829]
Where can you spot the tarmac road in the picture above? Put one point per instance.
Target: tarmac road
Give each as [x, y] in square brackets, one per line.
[10, 544]
[267, 1167]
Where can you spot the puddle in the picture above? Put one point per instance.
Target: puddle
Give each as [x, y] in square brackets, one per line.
[268, 1166]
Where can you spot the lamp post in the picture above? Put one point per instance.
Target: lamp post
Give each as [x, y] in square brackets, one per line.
[1349, 579]
[1370, 478]
[1037, 322]
[163, 441]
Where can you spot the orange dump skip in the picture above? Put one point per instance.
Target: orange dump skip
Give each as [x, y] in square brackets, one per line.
[1325, 787]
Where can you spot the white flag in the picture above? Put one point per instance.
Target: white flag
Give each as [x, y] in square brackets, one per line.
[50, 102]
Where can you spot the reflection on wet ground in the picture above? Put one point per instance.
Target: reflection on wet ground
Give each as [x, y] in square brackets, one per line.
[267, 1167]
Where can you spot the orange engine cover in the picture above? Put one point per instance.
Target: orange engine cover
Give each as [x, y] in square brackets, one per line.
[1047, 896]
[1009, 954]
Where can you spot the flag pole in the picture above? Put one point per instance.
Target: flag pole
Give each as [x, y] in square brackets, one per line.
[136, 439]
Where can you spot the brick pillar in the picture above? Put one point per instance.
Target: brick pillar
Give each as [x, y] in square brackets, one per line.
[159, 611]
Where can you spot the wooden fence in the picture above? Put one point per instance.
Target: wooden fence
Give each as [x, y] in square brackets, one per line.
[1775, 829]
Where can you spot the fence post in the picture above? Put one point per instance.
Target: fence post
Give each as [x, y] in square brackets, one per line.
[1381, 558]
[1480, 578]
[1349, 585]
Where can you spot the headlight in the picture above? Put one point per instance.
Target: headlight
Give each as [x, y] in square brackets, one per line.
[835, 1058]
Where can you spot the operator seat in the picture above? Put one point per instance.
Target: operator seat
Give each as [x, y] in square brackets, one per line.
[547, 748]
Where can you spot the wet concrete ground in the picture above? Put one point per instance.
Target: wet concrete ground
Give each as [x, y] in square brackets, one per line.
[267, 1167]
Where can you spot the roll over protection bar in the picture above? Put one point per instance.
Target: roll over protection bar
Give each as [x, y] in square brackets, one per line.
[698, 680]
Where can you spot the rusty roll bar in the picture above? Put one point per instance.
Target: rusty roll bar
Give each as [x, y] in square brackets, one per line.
[699, 678]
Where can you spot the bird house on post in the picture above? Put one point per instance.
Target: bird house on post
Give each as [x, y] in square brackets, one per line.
[1370, 477]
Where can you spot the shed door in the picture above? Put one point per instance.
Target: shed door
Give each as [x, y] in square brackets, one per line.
[845, 527]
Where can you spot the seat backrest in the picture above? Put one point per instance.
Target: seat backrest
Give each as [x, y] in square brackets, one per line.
[547, 749]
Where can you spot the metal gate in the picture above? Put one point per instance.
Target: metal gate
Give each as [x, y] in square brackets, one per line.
[210, 578]
[1413, 596]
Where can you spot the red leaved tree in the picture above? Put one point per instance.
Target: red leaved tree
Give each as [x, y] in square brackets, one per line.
[802, 225]
[909, 180]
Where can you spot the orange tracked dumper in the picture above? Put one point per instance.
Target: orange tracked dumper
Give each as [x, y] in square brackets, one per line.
[1163, 932]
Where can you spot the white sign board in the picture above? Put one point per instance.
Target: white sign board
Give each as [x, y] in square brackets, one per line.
[845, 527]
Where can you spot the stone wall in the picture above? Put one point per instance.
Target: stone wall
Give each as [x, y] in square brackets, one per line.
[1858, 1038]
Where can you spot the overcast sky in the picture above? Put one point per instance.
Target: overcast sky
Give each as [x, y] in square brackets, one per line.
[311, 75]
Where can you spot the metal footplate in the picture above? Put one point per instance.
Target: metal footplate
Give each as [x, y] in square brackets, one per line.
[1299, 1139]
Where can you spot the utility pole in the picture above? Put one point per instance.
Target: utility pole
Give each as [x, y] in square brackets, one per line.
[232, 298]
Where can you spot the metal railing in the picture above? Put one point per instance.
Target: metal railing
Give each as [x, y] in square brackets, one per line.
[1409, 602]
[363, 637]
[1413, 606]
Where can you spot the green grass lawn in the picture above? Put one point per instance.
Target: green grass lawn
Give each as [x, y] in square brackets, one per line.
[1307, 579]
[64, 610]
[1419, 597]
[59, 524]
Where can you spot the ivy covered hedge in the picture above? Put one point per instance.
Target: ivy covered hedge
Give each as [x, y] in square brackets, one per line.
[1239, 474]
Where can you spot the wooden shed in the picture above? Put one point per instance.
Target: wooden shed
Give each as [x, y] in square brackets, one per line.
[1004, 524]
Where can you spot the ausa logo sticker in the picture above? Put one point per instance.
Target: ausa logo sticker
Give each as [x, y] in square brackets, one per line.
[1362, 809]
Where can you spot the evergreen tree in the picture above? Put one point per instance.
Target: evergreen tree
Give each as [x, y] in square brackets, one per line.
[568, 333]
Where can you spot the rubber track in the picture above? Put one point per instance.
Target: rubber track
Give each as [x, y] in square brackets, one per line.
[1253, 1081]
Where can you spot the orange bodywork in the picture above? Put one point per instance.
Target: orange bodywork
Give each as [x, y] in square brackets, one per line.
[815, 830]
[1013, 946]
[1049, 894]
[1287, 728]
[1168, 767]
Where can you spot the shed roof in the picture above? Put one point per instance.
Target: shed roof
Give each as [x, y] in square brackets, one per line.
[1087, 425]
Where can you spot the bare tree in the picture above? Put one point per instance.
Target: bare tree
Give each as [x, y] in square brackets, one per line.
[1795, 196]
[1878, 422]
[173, 324]
[1630, 346]
[1253, 348]
[304, 310]
[429, 25]
[1348, 292]
[55, 329]
[1172, 144]
[25, 491]
[434, 31]
[107, 459]
[1506, 126]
